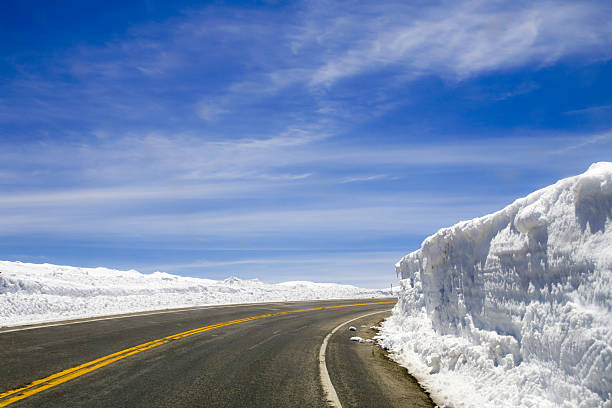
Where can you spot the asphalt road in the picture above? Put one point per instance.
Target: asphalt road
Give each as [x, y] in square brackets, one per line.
[266, 362]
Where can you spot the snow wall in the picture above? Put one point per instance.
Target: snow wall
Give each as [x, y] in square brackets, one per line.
[514, 308]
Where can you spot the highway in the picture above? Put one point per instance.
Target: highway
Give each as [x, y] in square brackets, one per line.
[251, 355]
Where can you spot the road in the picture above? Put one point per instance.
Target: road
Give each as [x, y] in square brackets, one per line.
[252, 355]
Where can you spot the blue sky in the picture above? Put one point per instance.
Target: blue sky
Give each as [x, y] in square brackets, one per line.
[286, 140]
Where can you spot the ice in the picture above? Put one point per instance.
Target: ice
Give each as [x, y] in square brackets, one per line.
[33, 293]
[514, 309]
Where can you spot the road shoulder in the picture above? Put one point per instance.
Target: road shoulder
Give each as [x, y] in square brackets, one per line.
[363, 374]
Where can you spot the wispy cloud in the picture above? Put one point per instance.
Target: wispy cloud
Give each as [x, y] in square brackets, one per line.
[133, 194]
[207, 110]
[597, 139]
[157, 158]
[348, 258]
[312, 51]
[369, 268]
[358, 179]
[454, 39]
[157, 167]
[269, 224]
[591, 109]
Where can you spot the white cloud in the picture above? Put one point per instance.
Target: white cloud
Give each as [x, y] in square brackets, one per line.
[347, 258]
[209, 111]
[134, 194]
[602, 109]
[455, 39]
[372, 267]
[583, 142]
[358, 179]
[161, 167]
[156, 158]
[305, 53]
[238, 224]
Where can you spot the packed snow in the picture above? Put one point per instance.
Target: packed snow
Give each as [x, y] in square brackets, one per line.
[514, 309]
[34, 293]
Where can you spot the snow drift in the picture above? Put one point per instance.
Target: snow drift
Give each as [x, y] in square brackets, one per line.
[31, 293]
[514, 308]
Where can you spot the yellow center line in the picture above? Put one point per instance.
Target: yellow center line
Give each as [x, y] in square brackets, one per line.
[12, 396]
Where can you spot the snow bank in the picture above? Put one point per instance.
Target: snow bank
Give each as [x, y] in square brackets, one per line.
[32, 293]
[514, 308]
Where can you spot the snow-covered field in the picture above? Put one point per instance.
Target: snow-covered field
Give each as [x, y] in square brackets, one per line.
[514, 308]
[32, 293]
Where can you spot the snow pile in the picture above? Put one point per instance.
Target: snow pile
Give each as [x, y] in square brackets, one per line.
[31, 293]
[514, 308]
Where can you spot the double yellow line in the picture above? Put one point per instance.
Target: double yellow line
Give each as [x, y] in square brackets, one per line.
[56, 379]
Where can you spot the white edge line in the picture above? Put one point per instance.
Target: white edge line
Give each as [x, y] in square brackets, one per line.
[328, 387]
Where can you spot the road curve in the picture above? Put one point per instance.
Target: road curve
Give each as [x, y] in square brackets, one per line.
[224, 357]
